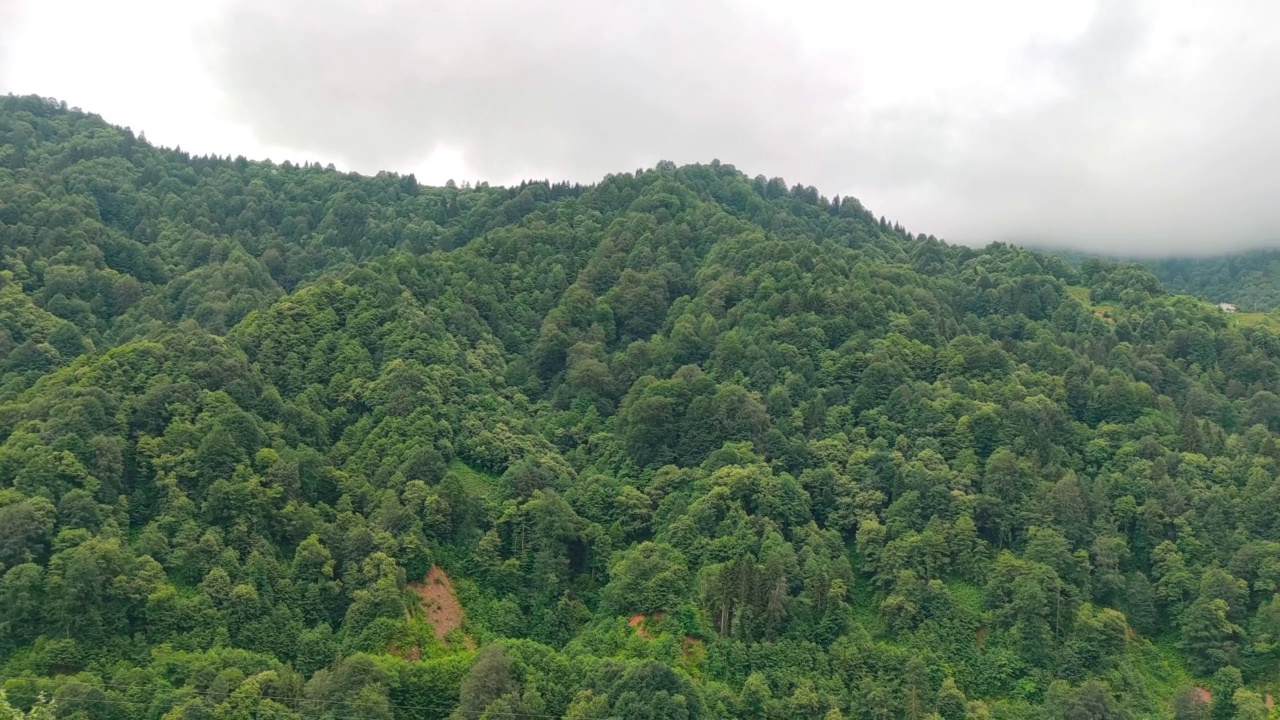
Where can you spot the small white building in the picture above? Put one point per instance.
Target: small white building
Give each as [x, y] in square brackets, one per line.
[1226, 307]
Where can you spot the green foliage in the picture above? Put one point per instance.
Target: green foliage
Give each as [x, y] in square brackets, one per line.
[646, 579]
[43, 709]
[1248, 279]
[278, 441]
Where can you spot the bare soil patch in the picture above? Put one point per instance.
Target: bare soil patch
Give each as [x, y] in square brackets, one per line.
[691, 649]
[439, 602]
[639, 621]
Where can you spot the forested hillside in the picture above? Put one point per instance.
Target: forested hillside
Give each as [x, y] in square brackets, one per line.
[1250, 280]
[282, 442]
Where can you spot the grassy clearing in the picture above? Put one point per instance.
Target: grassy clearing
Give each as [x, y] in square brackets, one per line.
[481, 483]
[1249, 319]
[1163, 657]
[1255, 319]
[866, 610]
[966, 595]
[1160, 667]
[1082, 294]
[1239, 319]
[862, 597]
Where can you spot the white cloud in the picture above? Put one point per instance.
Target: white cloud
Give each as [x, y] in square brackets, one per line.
[1135, 125]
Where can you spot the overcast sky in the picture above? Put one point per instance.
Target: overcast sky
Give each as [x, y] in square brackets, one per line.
[1120, 125]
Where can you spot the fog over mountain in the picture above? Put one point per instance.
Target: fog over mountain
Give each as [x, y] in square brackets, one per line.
[1120, 125]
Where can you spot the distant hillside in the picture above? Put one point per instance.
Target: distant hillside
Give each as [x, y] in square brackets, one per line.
[1250, 280]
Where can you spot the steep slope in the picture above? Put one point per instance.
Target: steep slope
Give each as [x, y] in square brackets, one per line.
[840, 469]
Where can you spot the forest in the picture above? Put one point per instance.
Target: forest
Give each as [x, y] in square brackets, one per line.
[278, 441]
[1250, 280]
[1247, 279]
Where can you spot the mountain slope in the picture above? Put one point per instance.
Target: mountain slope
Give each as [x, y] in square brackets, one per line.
[688, 444]
[1250, 280]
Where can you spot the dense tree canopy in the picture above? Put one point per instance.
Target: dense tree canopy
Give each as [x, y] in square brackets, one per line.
[682, 444]
[1250, 280]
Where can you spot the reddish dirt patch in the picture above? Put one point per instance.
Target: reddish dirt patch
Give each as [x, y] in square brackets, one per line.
[637, 622]
[439, 602]
[1204, 694]
[640, 621]
[413, 654]
[691, 648]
